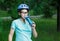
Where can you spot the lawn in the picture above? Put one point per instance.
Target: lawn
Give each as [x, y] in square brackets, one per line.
[46, 28]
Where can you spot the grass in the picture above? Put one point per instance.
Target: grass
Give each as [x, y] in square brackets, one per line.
[46, 28]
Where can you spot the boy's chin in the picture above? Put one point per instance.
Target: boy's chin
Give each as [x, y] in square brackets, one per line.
[23, 18]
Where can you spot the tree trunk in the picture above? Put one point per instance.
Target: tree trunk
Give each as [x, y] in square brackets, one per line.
[58, 19]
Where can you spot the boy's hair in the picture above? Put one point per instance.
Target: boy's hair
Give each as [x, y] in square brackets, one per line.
[19, 10]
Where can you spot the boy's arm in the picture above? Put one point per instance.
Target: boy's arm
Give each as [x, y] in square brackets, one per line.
[11, 34]
[34, 30]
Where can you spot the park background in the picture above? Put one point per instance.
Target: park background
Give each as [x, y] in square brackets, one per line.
[43, 12]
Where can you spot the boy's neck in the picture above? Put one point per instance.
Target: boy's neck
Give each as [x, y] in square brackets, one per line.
[23, 20]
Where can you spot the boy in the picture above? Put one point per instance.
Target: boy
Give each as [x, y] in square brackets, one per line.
[21, 26]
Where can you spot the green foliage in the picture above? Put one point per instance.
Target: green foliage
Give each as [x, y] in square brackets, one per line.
[3, 13]
[14, 13]
[37, 6]
[31, 12]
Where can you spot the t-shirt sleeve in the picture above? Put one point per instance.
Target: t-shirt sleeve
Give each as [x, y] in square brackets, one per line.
[13, 25]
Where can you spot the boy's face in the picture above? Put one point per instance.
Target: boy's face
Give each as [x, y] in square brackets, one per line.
[23, 13]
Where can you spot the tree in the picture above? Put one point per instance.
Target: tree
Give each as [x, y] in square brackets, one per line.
[47, 12]
[58, 18]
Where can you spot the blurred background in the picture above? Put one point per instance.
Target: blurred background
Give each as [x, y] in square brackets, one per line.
[43, 12]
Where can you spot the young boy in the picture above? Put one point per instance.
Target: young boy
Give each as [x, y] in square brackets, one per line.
[21, 26]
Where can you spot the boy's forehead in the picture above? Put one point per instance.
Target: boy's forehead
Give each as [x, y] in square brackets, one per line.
[24, 10]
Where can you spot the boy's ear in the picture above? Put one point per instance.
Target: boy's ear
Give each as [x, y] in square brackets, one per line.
[18, 13]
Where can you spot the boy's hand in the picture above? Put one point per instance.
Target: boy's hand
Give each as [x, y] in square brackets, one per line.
[33, 26]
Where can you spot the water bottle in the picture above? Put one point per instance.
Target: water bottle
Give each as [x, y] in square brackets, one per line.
[29, 20]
